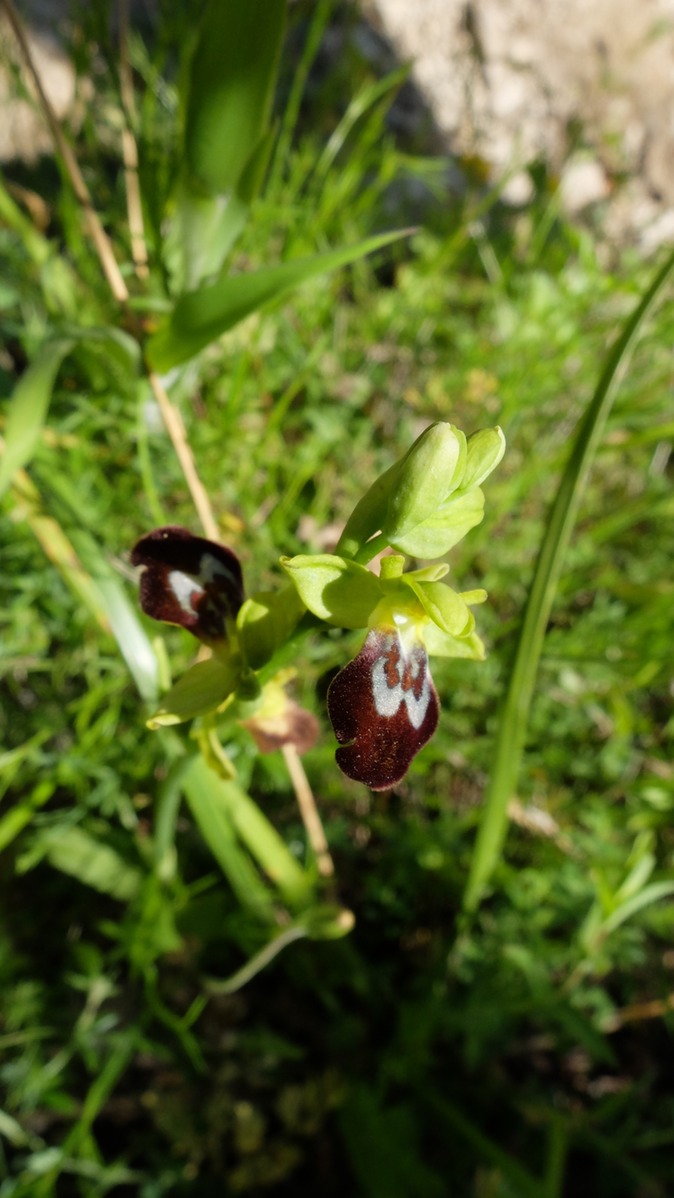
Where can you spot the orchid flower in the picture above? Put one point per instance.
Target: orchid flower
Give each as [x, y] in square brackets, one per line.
[383, 705]
[197, 584]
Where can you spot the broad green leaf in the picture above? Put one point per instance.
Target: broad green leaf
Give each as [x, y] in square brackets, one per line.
[230, 89]
[29, 407]
[202, 316]
[203, 791]
[205, 227]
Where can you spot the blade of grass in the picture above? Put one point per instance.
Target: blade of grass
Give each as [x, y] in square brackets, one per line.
[514, 713]
[28, 410]
[319, 22]
[87, 572]
[519, 1180]
[211, 812]
[233, 806]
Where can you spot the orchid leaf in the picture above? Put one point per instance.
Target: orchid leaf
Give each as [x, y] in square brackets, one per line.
[202, 316]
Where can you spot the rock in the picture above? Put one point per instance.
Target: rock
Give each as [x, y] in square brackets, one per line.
[530, 80]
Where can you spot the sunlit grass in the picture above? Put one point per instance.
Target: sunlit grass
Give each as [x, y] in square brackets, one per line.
[500, 1055]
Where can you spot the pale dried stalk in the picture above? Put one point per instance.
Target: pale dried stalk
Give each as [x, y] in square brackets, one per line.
[176, 431]
[170, 414]
[94, 226]
[309, 812]
[130, 149]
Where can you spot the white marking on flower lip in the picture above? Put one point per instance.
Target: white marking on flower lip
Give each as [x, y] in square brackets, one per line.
[185, 590]
[210, 568]
[387, 698]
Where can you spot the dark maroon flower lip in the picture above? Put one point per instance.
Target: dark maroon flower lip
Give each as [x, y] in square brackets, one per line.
[189, 581]
[384, 708]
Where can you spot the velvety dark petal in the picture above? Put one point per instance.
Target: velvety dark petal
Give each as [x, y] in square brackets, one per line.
[383, 707]
[189, 581]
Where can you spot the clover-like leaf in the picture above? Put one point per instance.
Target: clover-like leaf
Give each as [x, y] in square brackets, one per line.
[189, 581]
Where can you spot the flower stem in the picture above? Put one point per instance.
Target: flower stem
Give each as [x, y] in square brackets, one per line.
[309, 812]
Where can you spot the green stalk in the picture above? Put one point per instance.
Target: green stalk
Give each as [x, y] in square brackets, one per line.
[517, 702]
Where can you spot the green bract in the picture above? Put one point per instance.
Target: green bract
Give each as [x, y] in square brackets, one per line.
[204, 687]
[344, 593]
[427, 502]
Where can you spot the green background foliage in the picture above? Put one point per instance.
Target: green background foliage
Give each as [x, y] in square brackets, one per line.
[520, 1049]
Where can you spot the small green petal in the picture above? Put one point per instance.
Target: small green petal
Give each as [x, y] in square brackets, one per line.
[202, 689]
[485, 450]
[429, 573]
[441, 644]
[472, 598]
[334, 588]
[445, 607]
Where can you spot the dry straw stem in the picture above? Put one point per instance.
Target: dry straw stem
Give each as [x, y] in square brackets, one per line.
[130, 149]
[172, 418]
[309, 812]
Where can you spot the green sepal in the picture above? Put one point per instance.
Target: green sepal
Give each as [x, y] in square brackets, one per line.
[441, 644]
[265, 621]
[445, 607]
[334, 589]
[430, 471]
[202, 689]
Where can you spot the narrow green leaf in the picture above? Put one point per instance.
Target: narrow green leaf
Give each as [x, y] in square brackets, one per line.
[228, 804]
[517, 701]
[87, 571]
[637, 902]
[211, 810]
[28, 410]
[201, 316]
[78, 853]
